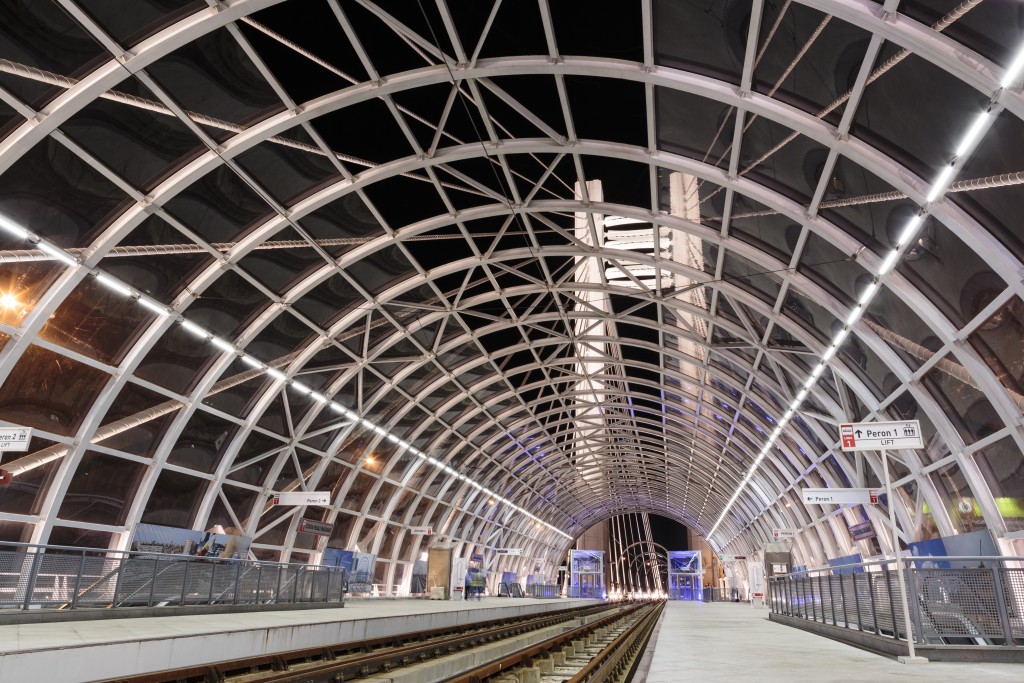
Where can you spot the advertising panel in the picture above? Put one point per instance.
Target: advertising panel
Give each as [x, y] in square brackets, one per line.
[862, 531]
[336, 557]
[218, 542]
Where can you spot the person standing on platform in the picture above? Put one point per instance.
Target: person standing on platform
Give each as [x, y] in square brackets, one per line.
[476, 582]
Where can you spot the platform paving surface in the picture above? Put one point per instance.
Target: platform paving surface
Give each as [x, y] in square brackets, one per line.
[723, 641]
[57, 635]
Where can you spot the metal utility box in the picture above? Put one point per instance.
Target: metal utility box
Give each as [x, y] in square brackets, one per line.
[439, 571]
[778, 559]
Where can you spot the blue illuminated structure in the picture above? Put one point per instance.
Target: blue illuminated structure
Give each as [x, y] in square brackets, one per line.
[685, 575]
[586, 574]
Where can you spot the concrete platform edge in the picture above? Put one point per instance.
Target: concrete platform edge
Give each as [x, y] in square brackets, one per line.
[994, 654]
[166, 644]
[94, 613]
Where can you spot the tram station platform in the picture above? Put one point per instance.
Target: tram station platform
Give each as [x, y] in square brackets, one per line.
[108, 648]
[721, 642]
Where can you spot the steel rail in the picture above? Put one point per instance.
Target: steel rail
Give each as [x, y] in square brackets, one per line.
[526, 655]
[610, 664]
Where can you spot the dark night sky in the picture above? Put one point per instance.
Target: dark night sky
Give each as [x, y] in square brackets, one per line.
[669, 533]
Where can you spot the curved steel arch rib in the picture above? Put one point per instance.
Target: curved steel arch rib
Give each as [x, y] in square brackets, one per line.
[469, 410]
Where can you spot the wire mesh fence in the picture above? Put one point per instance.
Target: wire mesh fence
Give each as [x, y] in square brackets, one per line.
[68, 578]
[982, 605]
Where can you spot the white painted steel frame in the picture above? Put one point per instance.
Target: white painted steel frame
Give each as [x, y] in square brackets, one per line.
[938, 49]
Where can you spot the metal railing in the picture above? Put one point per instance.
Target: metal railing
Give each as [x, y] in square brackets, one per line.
[62, 577]
[543, 590]
[980, 602]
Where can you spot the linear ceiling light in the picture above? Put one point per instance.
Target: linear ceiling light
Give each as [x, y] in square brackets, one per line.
[975, 131]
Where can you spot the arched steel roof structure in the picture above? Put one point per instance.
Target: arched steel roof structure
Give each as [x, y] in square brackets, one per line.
[253, 246]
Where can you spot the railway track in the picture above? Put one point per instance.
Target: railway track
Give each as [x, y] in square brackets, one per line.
[381, 657]
[605, 651]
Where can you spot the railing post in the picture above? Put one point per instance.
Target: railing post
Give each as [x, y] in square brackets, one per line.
[915, 604]
[874, 604]
[892, 605]
[856, 601]
[152, 582]
[831, 601]
[1004, 618]
[117, 583]
[842, 597]
[78, 581]
[238, 579]
[295, 585]
[30, 586]
[259, 580]
[277, 593]
[184, 581]
[821, 598]
[213, 575]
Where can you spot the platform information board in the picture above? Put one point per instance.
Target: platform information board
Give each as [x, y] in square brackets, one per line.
[877, 436]
[14, 439]
[785, 533]
[315, 527]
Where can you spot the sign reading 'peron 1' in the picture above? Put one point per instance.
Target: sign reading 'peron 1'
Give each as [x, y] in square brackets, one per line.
[839, 496]
[880, 436]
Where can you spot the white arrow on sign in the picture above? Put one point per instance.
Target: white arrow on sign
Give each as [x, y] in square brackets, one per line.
[880, 436]
[839, 496]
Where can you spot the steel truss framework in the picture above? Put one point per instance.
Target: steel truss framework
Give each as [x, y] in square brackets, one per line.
[415, 353]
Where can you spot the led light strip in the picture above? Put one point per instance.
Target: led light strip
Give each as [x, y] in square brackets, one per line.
[154, 306]
[974, 132]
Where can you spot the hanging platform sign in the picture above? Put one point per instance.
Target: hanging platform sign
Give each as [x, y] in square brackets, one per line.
[14, 439]
[517, 552]
[302, 498]
[732, 558]
[315, 526]
[880, 436]
[421, 530]
[785, 533]
[859, 532]
[839, 496]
